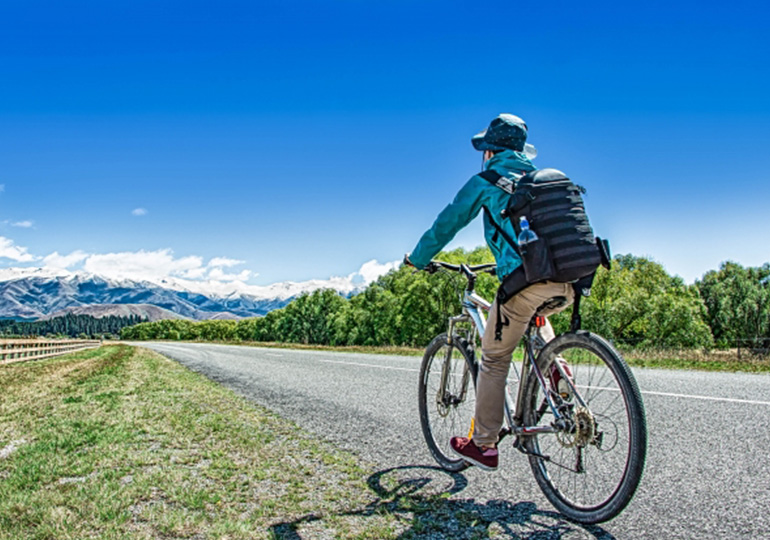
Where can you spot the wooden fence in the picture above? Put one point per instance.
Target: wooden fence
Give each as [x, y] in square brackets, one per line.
[18, 350]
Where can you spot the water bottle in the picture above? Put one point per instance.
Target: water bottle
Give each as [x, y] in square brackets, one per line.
[526, 235]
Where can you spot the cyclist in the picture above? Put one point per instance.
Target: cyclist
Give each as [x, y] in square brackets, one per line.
[505, 151]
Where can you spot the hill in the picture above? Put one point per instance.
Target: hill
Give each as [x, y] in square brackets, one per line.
[29, 294]
[145, 311]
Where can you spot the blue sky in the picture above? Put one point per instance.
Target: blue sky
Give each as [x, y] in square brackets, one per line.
[302, 139]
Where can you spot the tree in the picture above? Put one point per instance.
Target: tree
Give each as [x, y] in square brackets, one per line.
[638, 303]
[737, 301]
[309, 318]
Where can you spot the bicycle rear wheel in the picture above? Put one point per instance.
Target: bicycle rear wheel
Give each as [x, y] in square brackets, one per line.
[590, 471]
[446, 397]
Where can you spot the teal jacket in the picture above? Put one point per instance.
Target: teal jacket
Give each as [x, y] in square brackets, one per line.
[476, 194]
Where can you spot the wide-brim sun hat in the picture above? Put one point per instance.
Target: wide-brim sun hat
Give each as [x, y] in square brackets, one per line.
[506, 132]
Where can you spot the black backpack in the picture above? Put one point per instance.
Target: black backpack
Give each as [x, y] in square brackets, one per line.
[566, 249]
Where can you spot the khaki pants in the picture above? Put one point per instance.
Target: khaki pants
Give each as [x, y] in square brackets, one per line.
[496, 361]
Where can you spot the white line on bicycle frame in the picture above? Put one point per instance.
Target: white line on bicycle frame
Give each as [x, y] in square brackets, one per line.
[646, 392]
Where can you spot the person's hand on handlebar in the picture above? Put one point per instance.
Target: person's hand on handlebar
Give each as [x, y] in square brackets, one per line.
[431, 267]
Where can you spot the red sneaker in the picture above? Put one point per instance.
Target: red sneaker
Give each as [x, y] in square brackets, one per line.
[467, 449]
[557, 382]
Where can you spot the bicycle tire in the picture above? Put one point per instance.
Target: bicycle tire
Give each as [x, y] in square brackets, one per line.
[444, 415]
[599, 373]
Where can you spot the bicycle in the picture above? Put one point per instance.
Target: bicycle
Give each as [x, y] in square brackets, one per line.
[586, 447]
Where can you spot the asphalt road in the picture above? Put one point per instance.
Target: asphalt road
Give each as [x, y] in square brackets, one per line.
[707, 472]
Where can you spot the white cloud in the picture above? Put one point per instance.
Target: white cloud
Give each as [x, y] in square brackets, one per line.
[54, 260]
[195, 273]
[9, 250]
[26, 224]
[141, 265]
[217, 274]
[371, 270]
[187, 273]
[154, 266]
[139, 212]
[223, 262]
[2, 188]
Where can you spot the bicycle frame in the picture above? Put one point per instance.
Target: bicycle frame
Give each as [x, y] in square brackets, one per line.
[472, 307]
[548, 417]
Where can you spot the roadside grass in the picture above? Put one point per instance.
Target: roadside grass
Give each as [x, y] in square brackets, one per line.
[120, 442]
[686, 359]
[393, 350]
[699, 360]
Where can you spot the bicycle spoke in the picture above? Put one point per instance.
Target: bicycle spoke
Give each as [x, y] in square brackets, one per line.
[446, 399]
[587, 476]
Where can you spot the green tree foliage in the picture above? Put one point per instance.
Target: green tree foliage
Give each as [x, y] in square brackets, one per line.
[82, 326]
[369, 318]
[639, 304]
[738, 302]
[422, 302]
[636, 303]
[172, 329]
[310, 318]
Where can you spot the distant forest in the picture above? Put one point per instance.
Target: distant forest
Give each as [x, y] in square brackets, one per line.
[83, 326]
[636, 304]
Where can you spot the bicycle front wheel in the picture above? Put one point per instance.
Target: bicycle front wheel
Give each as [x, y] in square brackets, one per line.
[446, 397]
[590, 469]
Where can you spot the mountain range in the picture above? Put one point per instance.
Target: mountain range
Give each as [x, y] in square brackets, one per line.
[143, 311]
[35, 293]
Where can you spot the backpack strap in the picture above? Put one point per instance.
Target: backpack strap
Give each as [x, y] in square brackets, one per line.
[507, 185]
[515, 281]
[512, 284]
[501, 232]
[497, 179]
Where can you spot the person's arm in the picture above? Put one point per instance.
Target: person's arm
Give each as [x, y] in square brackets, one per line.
[465, 207]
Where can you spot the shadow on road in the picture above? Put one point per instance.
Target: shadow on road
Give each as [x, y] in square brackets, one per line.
[419, 499]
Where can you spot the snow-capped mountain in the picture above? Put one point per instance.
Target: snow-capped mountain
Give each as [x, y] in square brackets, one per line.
[36, 292]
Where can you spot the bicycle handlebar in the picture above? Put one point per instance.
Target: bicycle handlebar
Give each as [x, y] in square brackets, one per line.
[488, 268]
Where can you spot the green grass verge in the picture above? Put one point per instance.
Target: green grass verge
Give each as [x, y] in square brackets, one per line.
[358, 349]
[122, 443]
[749, 365]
